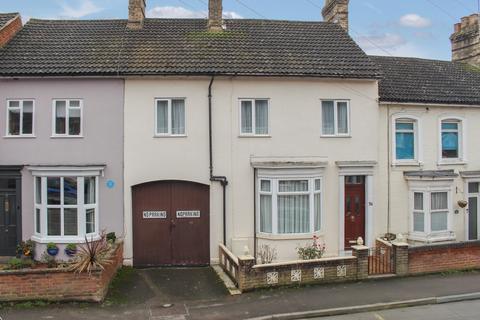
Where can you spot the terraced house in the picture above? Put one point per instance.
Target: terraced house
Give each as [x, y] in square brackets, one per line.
[180, 134]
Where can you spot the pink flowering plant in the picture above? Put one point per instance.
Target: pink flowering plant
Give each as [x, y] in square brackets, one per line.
[312, 251]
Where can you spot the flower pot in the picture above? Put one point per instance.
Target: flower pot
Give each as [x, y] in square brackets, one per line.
[52, 251]
[70, 252]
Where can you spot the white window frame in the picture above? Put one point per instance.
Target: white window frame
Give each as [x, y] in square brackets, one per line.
[427, 235]
[418, 151]
[254, 125]
[335, 119]
[80, 174]
[169, 133]
[290, 175]
[67, 119]
[7, 128]
[462, 141]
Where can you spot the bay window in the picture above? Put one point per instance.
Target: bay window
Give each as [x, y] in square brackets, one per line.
[289, 205]
[431, 210]
[66, 206]
[335, 118]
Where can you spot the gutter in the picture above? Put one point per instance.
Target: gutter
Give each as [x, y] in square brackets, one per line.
[421, 104]
[213, 178]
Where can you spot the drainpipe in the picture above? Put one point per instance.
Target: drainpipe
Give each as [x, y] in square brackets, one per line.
[222, 179]
[389, 171]
[255, 213]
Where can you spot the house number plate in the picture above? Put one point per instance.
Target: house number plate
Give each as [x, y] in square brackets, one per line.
[188, 214]
[154, 214]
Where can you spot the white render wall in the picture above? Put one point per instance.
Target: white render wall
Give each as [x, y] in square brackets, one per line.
[295, 127]
[429, 117]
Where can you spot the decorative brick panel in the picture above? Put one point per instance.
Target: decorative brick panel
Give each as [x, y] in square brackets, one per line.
[58, 284]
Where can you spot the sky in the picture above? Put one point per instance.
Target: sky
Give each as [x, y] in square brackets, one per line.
[414, 28]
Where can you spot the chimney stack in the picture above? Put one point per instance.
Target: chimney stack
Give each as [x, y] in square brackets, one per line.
[9, 29]
[336, 11]
[136, 14]
[215, 15]
[466, 40]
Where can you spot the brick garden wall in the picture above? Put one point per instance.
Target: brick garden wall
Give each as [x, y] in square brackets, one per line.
[58, 284]
[9, 31]
[326, 270]
[444, 257]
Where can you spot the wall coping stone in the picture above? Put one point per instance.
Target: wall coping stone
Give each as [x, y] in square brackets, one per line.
[297, 262]
[433, 247]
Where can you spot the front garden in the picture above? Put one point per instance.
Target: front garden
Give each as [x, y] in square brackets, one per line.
[84, 276]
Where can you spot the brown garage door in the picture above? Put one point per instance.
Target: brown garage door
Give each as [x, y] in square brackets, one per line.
[171, 224]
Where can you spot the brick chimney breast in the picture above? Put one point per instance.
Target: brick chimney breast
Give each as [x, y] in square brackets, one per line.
[336, 11]
[466, 40]
[136, 14]
[215, 15]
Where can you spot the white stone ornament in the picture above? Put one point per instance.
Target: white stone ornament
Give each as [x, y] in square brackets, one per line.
[319, 273]
[341, 271]
[272, 277]
[296, 275]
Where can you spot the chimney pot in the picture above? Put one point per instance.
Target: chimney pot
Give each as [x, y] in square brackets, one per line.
[215, 15]
[336, 11]
[136, 14]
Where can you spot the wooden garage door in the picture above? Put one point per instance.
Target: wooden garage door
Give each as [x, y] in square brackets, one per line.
[171, 224]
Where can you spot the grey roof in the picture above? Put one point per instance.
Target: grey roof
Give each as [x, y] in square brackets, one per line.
[431, 173]
[413, 80]
[6, 17]
[184, 47]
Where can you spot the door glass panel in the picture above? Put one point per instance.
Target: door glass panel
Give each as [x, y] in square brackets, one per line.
[348, 203]
[8, 184]
[357, 205]
[473, 218]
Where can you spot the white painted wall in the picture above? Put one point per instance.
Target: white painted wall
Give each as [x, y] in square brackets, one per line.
[429, 117]
[295, 127]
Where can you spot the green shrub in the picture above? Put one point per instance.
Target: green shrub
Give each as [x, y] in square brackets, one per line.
[17, 263]
[51, 245]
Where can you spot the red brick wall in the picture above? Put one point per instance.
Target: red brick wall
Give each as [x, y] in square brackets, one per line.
[9, 31]
[58, 285]
[444, 257]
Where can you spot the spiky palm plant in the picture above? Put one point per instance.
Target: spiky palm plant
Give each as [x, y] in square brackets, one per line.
[92, 255]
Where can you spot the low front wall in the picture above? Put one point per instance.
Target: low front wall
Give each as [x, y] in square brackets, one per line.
[58, 284]
[249, 276]
[444, 257]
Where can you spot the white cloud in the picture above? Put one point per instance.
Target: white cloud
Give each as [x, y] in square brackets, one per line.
[181, 12]
[84, 8]
[390, 44]
[413, 20]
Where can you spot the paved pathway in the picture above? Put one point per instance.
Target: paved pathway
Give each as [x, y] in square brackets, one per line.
[466, 310]
[198, 294]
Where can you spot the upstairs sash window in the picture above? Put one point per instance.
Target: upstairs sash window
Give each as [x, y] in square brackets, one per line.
[20, 117]
[335, 118]
[67, 116]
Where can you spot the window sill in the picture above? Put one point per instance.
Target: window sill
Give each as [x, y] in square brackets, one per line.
[254, 136]
[444, 236]
[25, 136]
[300, 236]
[160, 136]
[66, 137]
[336, 136]
[451, 162]
[407, 163]
[65, 240]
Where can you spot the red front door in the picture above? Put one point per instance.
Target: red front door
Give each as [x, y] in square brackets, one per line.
[354, 209]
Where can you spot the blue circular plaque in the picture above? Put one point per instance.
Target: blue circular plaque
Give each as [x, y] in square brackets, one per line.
[110, 184]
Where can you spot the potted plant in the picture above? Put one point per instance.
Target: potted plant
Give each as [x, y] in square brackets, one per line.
[71, 249]
[52, 249]
[26, 249]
